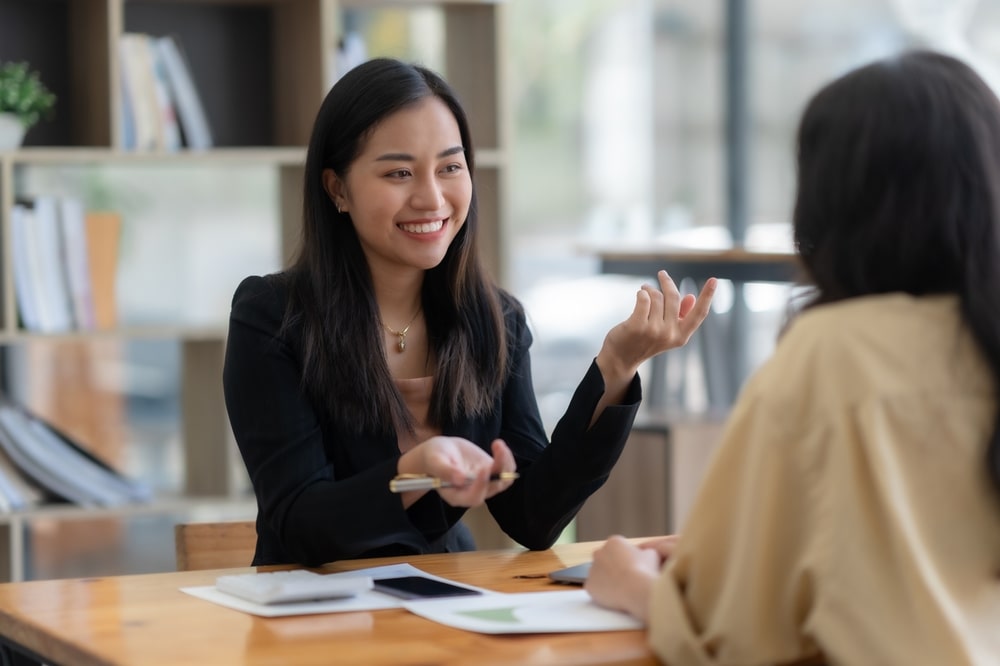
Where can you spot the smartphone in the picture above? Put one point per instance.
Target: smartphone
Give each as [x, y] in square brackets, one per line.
[418, 587]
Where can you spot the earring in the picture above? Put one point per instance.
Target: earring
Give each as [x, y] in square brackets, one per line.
[339, 208]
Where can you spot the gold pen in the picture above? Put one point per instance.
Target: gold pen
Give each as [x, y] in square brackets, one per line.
[405, 482]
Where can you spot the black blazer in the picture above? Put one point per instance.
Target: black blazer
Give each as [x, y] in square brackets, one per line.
[323, 492]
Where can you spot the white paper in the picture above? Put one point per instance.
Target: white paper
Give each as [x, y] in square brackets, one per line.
[525, 613]
[365, 601]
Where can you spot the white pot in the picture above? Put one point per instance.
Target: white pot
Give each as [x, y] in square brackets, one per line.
[11, 131]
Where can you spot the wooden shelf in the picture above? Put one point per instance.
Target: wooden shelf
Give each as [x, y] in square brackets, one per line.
[159, 506]
[262, 68]
[44, 156]
[183, 333]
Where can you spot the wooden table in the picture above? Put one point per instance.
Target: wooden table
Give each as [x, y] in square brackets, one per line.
[724, 353]
[145, 619]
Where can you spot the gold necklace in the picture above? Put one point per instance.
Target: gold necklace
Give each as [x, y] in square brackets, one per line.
[401, 345]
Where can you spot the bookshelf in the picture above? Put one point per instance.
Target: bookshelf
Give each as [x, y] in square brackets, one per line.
[262, 68]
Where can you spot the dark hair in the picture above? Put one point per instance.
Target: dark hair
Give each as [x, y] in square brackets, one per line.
[331, 294]
[899, 191]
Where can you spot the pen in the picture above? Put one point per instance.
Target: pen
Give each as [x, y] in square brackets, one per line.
[405, 482]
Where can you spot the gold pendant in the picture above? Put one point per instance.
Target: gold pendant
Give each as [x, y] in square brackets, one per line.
[401, 345]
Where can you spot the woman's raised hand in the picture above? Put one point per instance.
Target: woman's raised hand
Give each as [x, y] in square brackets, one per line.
[661, 320]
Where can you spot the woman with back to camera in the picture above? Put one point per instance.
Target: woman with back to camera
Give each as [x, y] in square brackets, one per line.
[851, 514]
[386, 350]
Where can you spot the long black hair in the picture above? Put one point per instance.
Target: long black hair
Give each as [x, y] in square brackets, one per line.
[899, 166]
[332, 298]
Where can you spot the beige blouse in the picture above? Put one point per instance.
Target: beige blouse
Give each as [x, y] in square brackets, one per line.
[847, 511]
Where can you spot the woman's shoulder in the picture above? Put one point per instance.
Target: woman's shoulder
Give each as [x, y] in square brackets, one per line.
[866, 346]
[261, 296]
[513, 314]
[512, 307]
[885, 322]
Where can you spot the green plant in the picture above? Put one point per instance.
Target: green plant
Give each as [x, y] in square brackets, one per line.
[23, 93]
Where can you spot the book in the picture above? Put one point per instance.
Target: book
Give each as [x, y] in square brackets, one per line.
[103, 232]
[10, 497]
[18, 491]
[351, 51]
[60, 465]
[127, 138]
[57, 307]
[25, 270]
[48, 274]
[65, 263]
[73, 228]
[139, 90]
[169, 131]
[190, 110]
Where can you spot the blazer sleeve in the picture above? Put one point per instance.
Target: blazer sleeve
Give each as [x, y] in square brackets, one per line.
[308, 512]
[557, 477]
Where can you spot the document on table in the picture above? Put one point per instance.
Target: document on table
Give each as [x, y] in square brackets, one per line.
[364, 601]
[524, 613]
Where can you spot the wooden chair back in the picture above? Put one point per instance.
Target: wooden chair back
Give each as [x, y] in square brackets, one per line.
[214, 545]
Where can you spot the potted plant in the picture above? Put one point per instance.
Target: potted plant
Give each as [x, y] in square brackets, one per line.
[24, 100]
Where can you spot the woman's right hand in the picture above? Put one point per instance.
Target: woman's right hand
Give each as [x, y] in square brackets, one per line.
[661, 320]
[462, 464]
[664, 546]
[622, 576]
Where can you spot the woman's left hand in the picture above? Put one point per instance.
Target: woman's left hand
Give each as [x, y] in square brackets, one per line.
[463, 464]
[661, 320]
[622, 576]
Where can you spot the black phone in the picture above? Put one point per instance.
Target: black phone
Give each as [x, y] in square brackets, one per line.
[418, 587]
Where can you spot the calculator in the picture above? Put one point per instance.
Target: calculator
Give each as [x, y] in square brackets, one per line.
[277, 587]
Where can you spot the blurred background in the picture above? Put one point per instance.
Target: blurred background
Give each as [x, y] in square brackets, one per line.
[652, 120]
[631, 122]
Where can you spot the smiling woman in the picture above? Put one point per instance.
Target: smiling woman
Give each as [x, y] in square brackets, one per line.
[386, 350]
[408, 194]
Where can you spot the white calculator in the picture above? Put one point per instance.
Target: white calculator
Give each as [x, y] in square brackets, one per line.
[276, 587]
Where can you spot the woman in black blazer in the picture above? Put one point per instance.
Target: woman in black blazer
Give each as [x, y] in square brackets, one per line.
[385, 349]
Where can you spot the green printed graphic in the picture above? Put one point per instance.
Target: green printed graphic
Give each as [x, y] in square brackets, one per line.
[493, 614]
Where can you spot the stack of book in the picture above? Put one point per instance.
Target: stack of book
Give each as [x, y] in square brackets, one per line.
[65, 265]
[161, 108]
[40, 464]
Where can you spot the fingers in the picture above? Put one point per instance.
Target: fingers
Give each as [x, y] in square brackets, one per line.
[503, 461]
[455, 460]
[686, 304]
[467, 467]
[671, 295]
[668, 304]
[690, 311]
[699, 309]
[621, 552]
[664, 546]
[614, 545]
[621, 576]
[656, 303]
[643, 304]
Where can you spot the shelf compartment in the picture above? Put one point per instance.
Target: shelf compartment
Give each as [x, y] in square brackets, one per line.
[257, 65]
[56, 541]
[66, 42]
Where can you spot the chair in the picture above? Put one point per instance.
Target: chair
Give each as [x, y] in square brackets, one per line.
[214, 545]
